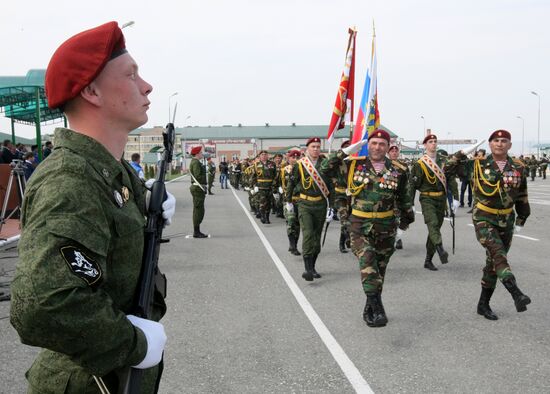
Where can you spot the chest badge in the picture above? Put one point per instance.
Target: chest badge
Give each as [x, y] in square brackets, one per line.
[118, 198]
[125, 194]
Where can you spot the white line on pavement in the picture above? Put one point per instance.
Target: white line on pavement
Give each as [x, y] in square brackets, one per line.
[517, 235]
[350, 370]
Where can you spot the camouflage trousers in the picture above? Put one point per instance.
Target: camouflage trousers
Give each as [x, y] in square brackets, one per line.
[373, 248]
[496, 241]
[312, 217]
[264, 199]
[198, 205]
[292, 222]
[433, 210]
[342, 207]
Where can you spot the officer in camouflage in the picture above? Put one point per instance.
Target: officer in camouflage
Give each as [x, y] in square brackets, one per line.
[499, 186]
[198, 190]
[314, 203]
[83, 223]
[261, 180]
[393, 155]
[277, 202]
[291, 216]
[211, 173]
[378, 186]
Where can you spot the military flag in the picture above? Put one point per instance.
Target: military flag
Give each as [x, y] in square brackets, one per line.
[368, 117]
[345, 91]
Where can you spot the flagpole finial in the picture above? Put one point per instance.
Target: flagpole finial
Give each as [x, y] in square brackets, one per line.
[373, 29]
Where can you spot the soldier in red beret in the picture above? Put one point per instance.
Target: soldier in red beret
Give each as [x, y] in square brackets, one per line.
[83, 223]
[198, 189]
[378, 187]
[291, 216]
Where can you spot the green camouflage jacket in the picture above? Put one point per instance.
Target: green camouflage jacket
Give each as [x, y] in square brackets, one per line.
[300, 182]
[419, 181]
[199, 173]
[263, 175]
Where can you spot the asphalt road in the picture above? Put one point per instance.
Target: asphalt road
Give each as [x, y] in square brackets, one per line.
[242, 320]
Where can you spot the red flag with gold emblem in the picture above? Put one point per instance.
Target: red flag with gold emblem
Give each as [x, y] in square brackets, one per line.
[345, 90]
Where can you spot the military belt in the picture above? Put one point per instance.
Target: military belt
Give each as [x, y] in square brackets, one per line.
[372, 215]
[310, 198]
[340, 189]
[494, 211]
[431, 194]
[264, 180]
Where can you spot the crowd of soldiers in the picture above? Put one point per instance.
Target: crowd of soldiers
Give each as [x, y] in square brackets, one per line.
[372, 195]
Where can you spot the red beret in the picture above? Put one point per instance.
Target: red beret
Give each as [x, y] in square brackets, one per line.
[196, 150]
[294, 152]
[379, 133]
[345, 143]
[313, 139]
[500, 134]
[393, 147]
[79, 60]
[429, 137]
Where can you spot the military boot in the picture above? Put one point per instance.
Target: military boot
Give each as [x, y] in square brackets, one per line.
[367, 313]
[262, 217]
[399, 244]
[443, 255]
[258, 213]
[197, 233]
[520, 299]
[267, 217]
[379, 318]
[308, 266]
[316, 275]
[483, 307]
[428, 262]
[382, 310]
[343, 242]
[293, 249]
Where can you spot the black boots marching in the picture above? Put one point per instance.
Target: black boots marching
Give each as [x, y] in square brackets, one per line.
[443, 255]
[309, 266]
[374, 313]
[197, 233]
[520, 299]
[483, 307]
[343, 242]
[293, 245]
[428, 262]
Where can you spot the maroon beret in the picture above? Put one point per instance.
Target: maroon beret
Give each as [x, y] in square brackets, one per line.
[500, 134]
[294, 153]
[313, 139]
[79, 60]
[344, 144]
[393, 147]
[196, 150]
[379, 133]
[429, 137]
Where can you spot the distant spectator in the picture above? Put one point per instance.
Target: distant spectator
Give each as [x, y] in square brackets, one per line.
[20, 150]
[224, 171]
[34, 149]
[28, 164]
[8, 152]
[136, 158]
[48, 146]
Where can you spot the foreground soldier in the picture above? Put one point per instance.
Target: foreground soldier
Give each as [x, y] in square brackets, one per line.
[291, 216]
[198, 190]
[428, 176]
[83, 228]
[499, 186]
[378, 186]
[313, 204]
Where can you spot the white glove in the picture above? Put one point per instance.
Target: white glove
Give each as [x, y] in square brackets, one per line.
[414, 209]
[330, 214]
[247, 188]
[281, 191]
[350, 150]
[168, 206]
[456, 204]
[256, 190]
[399, 233]
[276, 197]
[517, 229]
[289, 207]
[472, 148]
[156, 339]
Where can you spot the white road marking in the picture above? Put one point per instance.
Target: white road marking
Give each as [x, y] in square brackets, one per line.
[517, 235]
[346, 365]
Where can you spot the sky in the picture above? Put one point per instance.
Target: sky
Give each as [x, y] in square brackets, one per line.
[468, 67]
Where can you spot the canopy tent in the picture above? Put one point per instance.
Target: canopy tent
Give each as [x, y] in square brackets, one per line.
[23, 100]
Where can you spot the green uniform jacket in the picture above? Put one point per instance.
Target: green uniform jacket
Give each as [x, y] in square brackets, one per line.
[263, 175]
[211, 171]
[286, 173]
[199, 173]
[306, 185]
[80, 253]
[420, 182]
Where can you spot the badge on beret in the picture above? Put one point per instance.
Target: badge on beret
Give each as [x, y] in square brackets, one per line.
[81, 265]
[118, 198]
[125, 194]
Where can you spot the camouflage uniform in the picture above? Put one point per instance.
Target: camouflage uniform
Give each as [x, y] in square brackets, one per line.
[543, 165]
[496, 194]
[262, 177]
[312, 209]
[292, 222]
[375, 196]
[277, 195]
[198, 191]
[211, 174]
[80, 258]
[533, 165]
[433, 201]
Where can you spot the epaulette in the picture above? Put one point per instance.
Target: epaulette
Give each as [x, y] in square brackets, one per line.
[399, 165]
[519, 162]
[356, 157]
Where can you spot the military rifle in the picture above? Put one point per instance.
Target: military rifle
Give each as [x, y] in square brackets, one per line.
[150, 277]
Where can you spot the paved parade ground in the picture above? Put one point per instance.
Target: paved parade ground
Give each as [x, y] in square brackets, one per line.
[242, 320]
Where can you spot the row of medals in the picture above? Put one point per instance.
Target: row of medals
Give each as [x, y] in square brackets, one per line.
[510, 178]
[386, 181]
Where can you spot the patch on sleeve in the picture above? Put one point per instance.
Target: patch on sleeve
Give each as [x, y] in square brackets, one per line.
[81, 265]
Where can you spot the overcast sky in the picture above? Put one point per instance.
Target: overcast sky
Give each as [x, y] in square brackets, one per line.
[467, 66]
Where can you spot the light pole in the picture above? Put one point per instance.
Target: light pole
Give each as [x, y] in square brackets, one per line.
[424, 132]
[127, 24]
[169, 105]
[522, 132]
[538, 128]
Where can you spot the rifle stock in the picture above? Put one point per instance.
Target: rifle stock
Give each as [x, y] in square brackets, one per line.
[150, 276]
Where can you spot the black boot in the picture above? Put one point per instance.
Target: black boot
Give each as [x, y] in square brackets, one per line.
[316, 275]
[379, 318]
[348, 240]
[197, 233]
[308, 266]
[343, 242]
[267, 218]
[520, 299]
[262, 217]
[293, 248]
[483, 307]
[428, 262]
[367, 313]
[443, 255]
[399, 244]
[382, 310]
[258, 213]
